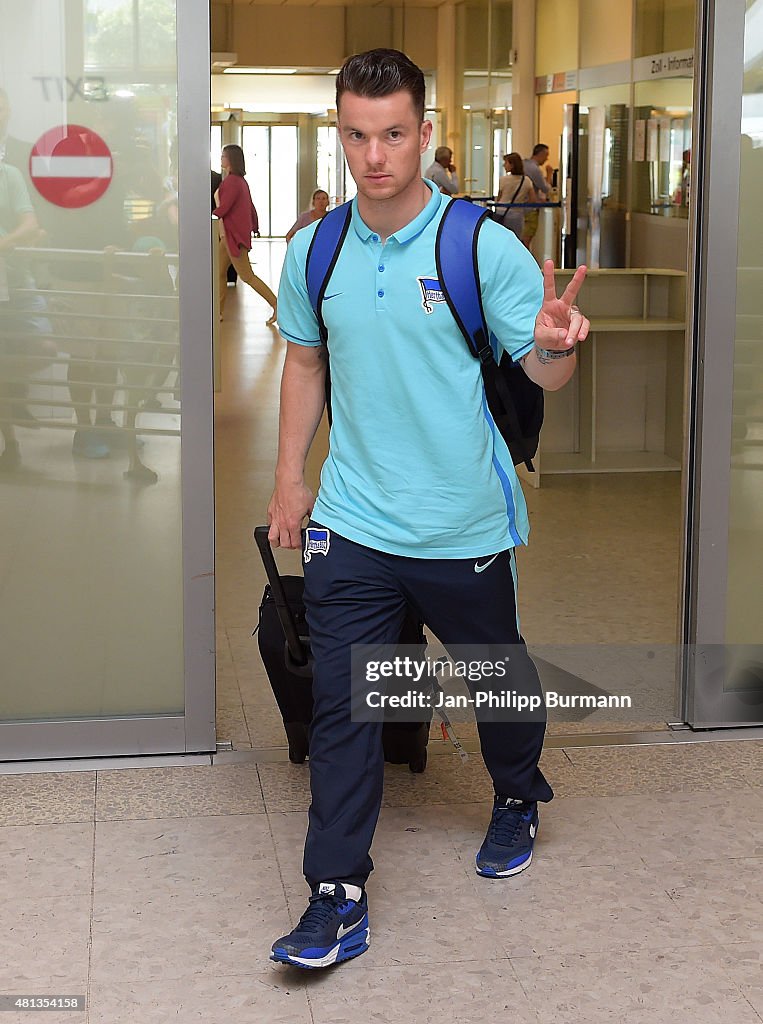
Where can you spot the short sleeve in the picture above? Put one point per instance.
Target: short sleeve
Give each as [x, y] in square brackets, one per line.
[512, 288]
[296, 320]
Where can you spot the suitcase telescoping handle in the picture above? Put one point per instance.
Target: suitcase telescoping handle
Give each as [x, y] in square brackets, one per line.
[285, 615]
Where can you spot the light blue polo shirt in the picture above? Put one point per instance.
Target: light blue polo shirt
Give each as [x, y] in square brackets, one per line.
[416, 465]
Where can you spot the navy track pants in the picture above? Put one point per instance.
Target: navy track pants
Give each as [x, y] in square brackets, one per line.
[356, 595]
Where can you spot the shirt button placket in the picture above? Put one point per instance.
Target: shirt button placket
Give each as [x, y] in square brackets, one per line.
[380, 290]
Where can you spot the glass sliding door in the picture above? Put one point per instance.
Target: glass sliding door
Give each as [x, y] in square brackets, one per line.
[270, 152]
[725, 616]
[107, 644]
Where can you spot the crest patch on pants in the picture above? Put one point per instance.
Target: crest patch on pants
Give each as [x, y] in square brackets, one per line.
[317, 541]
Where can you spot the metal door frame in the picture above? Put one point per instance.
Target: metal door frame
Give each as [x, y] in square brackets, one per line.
[193, 731]
[713, 285]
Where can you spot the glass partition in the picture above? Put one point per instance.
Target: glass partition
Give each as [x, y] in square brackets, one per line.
[663, 25]
[744, 615]
[662, 147]
[91, 531]
[270, 152]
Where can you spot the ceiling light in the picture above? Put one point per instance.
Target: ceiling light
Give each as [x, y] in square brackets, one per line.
[259, 71]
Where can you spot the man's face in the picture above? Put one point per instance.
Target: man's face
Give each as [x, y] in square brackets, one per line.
[5, 114]
[383, 140]
[542, 157]
[447, 158]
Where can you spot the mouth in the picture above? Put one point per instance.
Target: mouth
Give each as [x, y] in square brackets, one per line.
[378, 177]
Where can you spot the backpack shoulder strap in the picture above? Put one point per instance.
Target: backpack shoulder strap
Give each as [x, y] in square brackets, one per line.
[322, 256]
[458, 272]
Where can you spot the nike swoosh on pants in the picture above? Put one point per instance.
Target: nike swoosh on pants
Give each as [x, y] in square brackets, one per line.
[481, 568]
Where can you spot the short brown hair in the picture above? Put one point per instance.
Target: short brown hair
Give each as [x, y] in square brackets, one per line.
[235, 156]
[377, 73]
[515, 163]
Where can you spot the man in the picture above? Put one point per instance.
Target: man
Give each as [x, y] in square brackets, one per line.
[443, 171]
[12, 151]
[18, 227]
[541, 186]
[419, 502]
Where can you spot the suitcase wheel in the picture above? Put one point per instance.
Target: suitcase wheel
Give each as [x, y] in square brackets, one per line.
[419, 764]
[296, 733]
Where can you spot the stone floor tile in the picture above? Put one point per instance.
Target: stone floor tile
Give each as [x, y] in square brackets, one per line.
[38, 861]
[44, 945]
[47, 798]
[690, 826]
[469, 992]
[285, 787]
[266, 995]
[231, 725]
[228, 856]
[140, 938]
[648, 987]
[657, 768]
[743, 963]
[189, 791]
[727, 895]
[265, 724]
[552, 908]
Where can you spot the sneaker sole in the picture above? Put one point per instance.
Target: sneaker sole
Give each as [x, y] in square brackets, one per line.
[492, 873]
[346, 949]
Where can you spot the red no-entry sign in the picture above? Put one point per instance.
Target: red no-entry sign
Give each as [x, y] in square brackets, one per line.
[71, 166]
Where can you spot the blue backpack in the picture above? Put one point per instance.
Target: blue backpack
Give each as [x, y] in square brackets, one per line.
[515, 401]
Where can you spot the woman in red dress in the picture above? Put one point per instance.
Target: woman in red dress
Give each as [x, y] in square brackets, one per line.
[239, 220]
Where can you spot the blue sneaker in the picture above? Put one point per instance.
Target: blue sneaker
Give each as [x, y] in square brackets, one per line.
[332, 929]
[508, 846]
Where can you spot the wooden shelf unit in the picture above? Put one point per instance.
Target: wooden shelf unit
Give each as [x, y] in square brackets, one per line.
[622, 412]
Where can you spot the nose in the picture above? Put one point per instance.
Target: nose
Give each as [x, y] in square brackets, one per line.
[375, 153]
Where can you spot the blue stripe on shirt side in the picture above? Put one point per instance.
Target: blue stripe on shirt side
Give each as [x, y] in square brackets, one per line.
[508, 493]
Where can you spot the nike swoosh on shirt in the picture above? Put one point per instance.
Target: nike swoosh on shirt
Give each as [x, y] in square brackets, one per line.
[481, 568]
[332, 296]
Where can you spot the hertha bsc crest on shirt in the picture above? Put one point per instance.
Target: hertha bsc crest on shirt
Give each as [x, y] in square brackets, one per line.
[317, 542]
[431, 291]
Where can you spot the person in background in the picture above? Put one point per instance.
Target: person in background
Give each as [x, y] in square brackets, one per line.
[217, 180]
[514, 187]
[443, 171]
[23, 331]
[319, 206]
[533, 170]
[239, 219]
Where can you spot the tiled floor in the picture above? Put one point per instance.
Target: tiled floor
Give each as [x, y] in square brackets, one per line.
[157, 891]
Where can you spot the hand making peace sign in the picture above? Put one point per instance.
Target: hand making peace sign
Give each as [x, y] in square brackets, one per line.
[560, 324]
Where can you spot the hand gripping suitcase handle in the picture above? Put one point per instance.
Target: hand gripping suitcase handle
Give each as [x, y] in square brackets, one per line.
[285, 613]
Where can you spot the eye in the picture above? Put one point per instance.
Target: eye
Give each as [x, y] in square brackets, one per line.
[395, 134]
[356, 136]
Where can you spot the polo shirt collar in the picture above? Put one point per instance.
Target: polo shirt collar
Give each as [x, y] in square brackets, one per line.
[408, 231]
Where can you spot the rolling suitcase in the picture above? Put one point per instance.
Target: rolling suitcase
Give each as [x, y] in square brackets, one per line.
[284, 643]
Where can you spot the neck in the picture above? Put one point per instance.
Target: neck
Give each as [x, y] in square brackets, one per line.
[386, 216]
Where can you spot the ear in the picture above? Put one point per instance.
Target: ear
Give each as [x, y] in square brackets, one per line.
[426, 135]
